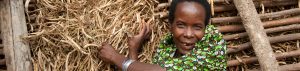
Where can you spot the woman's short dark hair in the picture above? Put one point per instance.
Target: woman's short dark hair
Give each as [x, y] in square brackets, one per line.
[204, 3]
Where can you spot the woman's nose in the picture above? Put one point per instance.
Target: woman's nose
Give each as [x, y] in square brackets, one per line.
[188, 33]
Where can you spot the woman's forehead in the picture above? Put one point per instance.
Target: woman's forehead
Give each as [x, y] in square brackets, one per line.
[190, 7]
[190, 12]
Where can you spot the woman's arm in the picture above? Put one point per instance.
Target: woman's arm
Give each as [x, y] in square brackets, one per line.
[108, 54]
[133, 54]
[137, 66]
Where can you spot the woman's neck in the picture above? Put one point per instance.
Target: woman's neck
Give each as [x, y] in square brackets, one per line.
[177, 54]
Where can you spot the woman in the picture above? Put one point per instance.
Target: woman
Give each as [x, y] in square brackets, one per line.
[191, 45]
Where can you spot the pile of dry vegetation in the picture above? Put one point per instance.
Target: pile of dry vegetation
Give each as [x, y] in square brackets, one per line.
[64, 34]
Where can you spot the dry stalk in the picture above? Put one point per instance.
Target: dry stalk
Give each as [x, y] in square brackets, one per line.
[64, 34]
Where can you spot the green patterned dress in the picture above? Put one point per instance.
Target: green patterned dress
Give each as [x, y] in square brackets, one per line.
[208, 55]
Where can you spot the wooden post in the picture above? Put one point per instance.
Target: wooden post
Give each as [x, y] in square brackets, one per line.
[2, 61]
[289, 67]
[258, 37]
[269, 30]
[13, 26]
[249, 60]
[275, 39]
[262, 16]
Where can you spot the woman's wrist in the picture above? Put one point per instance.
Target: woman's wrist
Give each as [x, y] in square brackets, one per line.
[118, 60]
[133, 54]
[133, 51]
[133, 47]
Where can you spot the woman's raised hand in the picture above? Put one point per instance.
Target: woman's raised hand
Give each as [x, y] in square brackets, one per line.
[136, 41]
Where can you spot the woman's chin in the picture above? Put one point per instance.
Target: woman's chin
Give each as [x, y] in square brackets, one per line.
[184, 51]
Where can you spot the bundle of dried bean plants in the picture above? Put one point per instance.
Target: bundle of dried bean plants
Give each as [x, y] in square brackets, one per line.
[65, 34]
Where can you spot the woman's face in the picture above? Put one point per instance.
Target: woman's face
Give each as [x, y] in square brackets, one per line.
[188, 26]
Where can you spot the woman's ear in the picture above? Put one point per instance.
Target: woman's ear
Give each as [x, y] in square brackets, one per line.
[169, 26]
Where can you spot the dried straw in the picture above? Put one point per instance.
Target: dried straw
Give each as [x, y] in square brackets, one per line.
[65, 33]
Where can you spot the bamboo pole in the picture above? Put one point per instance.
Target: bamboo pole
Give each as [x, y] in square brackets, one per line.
[258, 37]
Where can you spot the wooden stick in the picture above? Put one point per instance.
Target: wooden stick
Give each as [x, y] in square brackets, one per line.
[281, 38]
[262, 16]
[254, 59]
[231, 28]
[289, 67]
[232, 7]
[2, 61]
[13, 27]
[1, 45]
[161, 6]
[1, 52]
[257, 4]
[282, 22]
[258, 37]
[162, 14]
[236, 28]
[269, 30]
[222, 1]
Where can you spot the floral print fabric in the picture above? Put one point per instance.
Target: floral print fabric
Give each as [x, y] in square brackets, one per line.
[208, 54]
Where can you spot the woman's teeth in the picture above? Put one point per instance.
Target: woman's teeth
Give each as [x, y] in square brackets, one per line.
[186, 44]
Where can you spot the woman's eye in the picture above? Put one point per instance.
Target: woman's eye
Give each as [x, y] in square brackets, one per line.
[180, 25]
[197, 27]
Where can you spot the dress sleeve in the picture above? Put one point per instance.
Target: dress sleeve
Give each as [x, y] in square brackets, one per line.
[220, 56]
[217, 49]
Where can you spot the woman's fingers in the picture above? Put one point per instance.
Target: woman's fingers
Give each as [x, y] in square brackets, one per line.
[148, 32]
[143, 28]
[103, 45]
[100, 52]
[99, 48]
[147, 28]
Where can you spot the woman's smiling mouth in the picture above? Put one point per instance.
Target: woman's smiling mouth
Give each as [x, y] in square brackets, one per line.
[187, 46]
